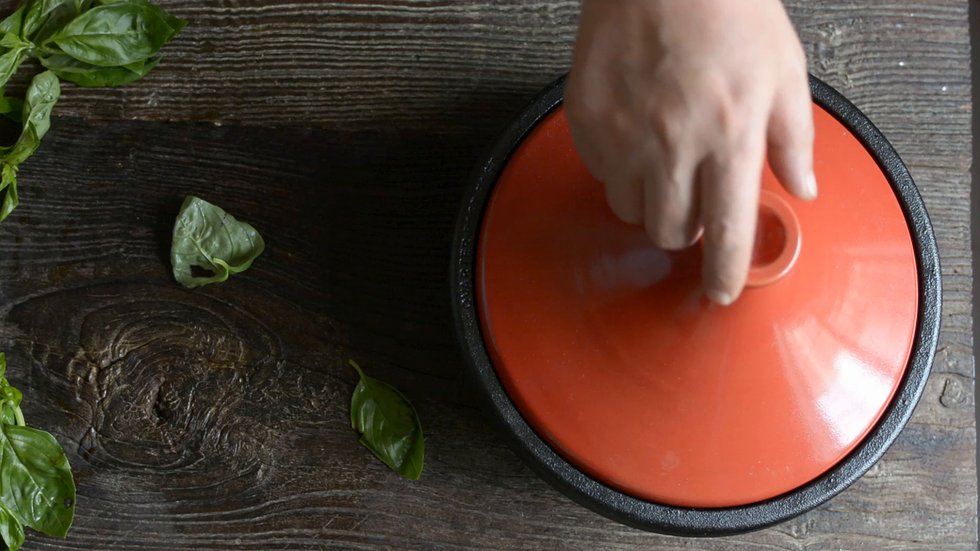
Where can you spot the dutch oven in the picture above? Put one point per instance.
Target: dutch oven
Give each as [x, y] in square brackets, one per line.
[627, 390]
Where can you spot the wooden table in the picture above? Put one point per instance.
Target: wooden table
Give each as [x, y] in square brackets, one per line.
[217, 418]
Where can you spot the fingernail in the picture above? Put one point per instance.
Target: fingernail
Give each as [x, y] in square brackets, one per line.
[810, 186]
[720, 298]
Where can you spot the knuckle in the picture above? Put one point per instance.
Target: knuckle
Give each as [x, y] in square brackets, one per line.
[667, 233]
[669, 122]
[662, 237]
[729, 107]
[723, 236]
[624, 202]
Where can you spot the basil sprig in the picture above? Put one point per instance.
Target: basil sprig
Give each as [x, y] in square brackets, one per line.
[85, 42]
[36, 485]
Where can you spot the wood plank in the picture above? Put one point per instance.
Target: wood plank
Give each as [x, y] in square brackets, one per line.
[217, 418]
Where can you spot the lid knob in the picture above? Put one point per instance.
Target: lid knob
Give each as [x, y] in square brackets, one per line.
[777, 241]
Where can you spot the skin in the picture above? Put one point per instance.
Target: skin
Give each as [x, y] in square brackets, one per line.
[676, 104]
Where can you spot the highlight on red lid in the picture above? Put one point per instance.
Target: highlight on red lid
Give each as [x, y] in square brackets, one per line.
[607, 347]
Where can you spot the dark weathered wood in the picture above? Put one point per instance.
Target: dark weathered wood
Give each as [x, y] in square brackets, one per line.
[217, 418]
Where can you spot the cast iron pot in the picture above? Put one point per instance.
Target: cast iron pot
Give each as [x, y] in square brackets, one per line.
[657, 517]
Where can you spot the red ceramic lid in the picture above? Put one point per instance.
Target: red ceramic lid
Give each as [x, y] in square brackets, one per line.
[609, 350]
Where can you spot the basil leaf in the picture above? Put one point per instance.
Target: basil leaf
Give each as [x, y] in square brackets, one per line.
[11, 403]
[388, 424]
[42, 94]
[14, 23]
[36, 484]
[11, 529]
[10, 397]
[11, 107]
[210, 238]
[36, 479]
[10, 60]
[38, 12]
[86, 74]
[175, 23]
[135, 66]
[9, 183]
[15, 111]
[113, 35]
[56, 20]
[11, 41]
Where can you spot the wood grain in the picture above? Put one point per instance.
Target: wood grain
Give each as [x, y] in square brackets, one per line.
[217, 418]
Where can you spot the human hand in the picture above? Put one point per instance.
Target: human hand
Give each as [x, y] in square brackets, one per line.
[675, 104]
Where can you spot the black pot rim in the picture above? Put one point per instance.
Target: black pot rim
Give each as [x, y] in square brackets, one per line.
[667, 519]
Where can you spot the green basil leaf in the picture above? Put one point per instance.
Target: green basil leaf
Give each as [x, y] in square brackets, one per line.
[42, 94]
[388, 424]
[86, 74]
[11, 399]
[11, 107]
[11, 529]
[11, 402]
[208, 237]
[113, 35]
[36, 482]
[135, 66]
[55, 21]
[8, 183]
[9, 61]
[11, 41]
[39, 11]
[16, 109]
[14, 23]
[175, 23]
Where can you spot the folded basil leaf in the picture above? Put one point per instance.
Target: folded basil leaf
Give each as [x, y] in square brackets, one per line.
[10, 398]
[42, 94]
[10, 413]
[175, 23]
[11, 529]
[208, 237]
[36, 482]
[10, 60]
[39, 11]
[113, 35]
[86, 74]
[8, 184]
[388, 424]
[57, 19]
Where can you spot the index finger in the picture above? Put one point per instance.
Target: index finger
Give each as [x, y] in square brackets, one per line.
[729, 210]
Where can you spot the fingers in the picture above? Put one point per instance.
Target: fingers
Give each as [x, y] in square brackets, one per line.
[729, 210]
[671, 204]
[625, 198]
[790, 139]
